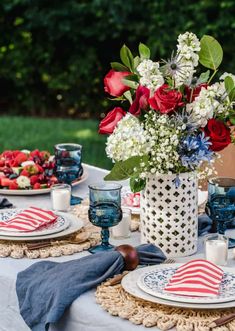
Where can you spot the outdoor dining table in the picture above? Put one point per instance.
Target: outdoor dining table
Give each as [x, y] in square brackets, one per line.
[84, 314]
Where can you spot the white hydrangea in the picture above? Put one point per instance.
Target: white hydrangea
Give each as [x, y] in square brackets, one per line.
[23, 181]
[210, 101]
[128, 139]
[151, 76]
[187, 55]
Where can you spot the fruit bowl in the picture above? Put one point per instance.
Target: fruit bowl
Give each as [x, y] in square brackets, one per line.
[28, 172]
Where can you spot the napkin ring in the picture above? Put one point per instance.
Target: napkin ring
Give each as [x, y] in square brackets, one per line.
[130, 256]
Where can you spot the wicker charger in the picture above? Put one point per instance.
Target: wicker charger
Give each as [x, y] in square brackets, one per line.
[117, 302]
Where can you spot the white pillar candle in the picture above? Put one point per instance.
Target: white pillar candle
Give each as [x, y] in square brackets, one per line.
[122, 230]
[217, 251]
[60, 197]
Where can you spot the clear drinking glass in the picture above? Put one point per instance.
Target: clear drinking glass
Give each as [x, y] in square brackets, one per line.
[216, 249]
[68, 165]
[220, 206]
[104, 210]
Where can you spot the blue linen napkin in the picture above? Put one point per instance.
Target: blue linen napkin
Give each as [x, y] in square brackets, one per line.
[4, 203]
[47, 288]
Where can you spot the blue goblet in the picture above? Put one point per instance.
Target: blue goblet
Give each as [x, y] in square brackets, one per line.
[104, 211]
[220, 206]
[68, 165]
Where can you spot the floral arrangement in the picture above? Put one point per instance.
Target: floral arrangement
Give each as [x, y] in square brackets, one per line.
[21, 170]
[174, 116]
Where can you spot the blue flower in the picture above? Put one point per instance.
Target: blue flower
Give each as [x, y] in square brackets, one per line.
[195, 149]
[186, 119]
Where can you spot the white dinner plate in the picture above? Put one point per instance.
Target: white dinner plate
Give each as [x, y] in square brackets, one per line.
[153, 282]
[75, 224]
[202, 197]
[129, 283]
[43, 190]
[60, 224]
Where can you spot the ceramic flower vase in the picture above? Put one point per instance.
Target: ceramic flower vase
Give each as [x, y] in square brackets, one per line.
[169, 214]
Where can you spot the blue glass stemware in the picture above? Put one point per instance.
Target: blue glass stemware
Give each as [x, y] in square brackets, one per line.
[68, 165]
[220, 206]
[104, 211]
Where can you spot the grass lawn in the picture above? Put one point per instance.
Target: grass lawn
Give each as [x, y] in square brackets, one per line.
[31, 133]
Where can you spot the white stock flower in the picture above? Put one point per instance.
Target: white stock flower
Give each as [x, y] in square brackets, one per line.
[187, 57]
[210, 101]
[151, 76]
[23, 181]
[128, 139]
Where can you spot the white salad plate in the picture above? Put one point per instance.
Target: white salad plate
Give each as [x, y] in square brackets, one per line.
[202, 197]
[73, 224]
[153, 282]
[43, 190]
[129, 283]
[60, 224]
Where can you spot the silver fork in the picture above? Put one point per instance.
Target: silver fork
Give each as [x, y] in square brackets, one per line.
[168, 261]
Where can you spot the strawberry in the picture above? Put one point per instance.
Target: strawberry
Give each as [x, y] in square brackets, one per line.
[13, 186]
[21, 157]
[5, 182]
[36, 186]
[34, 153]
[53, 180]
[2, 163]
[33, 179]
[24, 172]
[39, 168]
[13, 163]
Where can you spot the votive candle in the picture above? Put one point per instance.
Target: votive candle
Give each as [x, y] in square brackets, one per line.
[122, 230]
[216, 249]
[60, 197]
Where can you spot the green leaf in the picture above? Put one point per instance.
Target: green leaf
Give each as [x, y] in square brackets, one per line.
[118, 66]
[144, 51]
[127, 57]
[126, 169]
[137, 184]
[128, 96]
[211, 53]
[136, 61]
[232, 95]
[230, 87]
[203, 78]
[130, 83]
[232, 119]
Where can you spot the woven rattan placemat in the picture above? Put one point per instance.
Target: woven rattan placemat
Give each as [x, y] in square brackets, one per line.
[117, 302]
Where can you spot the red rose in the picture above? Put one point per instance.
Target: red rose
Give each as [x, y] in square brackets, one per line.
[141, 100]
[195, 92]
[166, 100]
[108, 124]
[113, 83]
[219, 133]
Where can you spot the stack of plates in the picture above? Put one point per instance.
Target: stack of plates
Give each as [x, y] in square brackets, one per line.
[64, 225]
[148, 284]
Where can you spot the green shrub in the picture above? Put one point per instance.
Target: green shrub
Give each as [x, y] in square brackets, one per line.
[54, 54]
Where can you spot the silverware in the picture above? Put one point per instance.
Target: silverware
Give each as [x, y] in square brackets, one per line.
[168, 261]
[221, 321]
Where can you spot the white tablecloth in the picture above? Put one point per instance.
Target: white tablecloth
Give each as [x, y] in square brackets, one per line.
[84, 314]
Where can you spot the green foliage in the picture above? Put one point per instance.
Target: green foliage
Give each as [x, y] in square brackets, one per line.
[54, 54]
[211, 53]
[126, 169]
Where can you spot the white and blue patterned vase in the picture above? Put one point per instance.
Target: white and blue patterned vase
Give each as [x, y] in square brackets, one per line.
[169, 214]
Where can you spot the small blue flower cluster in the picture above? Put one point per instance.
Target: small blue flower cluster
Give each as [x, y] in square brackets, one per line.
[194, 149]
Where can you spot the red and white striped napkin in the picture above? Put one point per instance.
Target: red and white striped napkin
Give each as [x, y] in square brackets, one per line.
[199, 278]
[29, 220]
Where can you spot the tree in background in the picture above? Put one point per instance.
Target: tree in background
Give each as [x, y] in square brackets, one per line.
[54, 54]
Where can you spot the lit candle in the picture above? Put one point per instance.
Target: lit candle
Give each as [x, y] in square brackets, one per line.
[122, 230]
[216, 248]
[60, 197]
